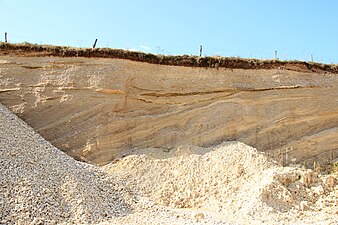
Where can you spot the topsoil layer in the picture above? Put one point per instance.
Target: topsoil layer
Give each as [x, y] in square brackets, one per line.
[27, 49]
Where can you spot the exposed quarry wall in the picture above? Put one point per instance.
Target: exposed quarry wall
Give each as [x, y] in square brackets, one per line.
[97, 109]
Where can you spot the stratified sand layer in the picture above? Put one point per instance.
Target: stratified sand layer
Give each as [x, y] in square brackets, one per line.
[97, 109]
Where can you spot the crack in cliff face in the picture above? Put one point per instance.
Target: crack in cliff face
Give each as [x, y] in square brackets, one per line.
[9, 89]
[231, 91]
[279, 88]
[176, 94]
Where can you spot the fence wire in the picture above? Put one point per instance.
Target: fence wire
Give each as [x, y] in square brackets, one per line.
[282, 54]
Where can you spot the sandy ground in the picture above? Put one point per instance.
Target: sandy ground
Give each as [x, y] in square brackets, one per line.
[231, 183]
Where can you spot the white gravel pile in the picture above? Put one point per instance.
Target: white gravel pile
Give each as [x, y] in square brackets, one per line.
[232, 181]
[40, 184]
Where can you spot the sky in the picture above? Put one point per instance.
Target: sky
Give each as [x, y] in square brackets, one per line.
[296, 29]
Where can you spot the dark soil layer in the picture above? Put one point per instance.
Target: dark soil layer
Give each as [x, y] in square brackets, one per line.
[27, 49]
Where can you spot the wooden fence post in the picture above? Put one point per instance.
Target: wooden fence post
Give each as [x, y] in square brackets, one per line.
[95, 43]
[6, 37]
[201, 50]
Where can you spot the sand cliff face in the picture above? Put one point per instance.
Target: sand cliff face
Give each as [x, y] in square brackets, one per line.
[99, 109]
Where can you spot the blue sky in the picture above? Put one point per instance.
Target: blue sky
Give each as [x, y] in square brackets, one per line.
[297, 29]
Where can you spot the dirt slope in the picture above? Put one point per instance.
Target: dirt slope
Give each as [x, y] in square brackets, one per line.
[97, 109]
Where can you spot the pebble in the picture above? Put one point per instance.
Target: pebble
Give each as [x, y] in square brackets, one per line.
[304, 205]
[330, 182]
[198, 216]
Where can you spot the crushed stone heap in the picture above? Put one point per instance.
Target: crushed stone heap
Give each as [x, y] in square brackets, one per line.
[233, 181]
[39, 183]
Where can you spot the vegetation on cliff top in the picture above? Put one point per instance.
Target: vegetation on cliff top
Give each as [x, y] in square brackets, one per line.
[27, 49]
